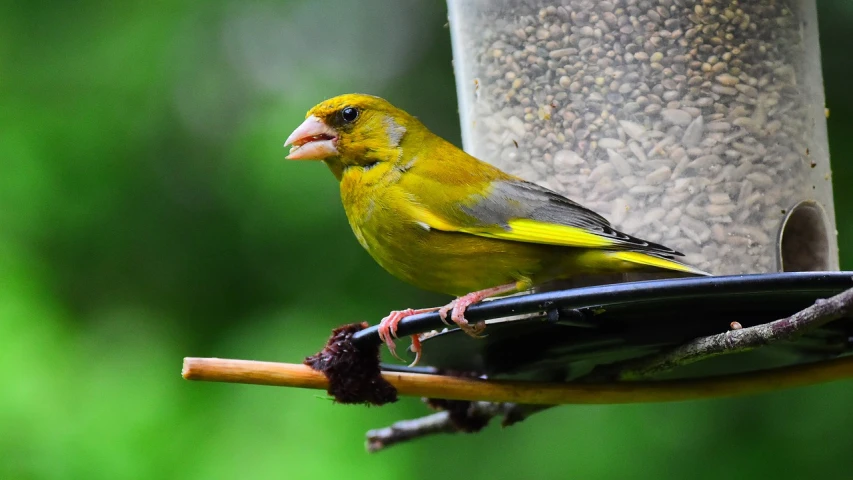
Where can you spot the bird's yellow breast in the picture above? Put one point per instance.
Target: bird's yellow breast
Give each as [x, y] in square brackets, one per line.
[376, 208]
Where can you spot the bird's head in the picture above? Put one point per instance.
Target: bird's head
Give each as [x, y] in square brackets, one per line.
[354, 130]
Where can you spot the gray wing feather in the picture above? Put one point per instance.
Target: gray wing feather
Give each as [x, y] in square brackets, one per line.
[510, 200]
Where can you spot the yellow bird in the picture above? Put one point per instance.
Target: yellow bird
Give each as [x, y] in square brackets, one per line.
[444, 221]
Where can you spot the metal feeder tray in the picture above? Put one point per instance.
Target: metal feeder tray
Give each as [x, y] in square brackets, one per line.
[572, 331]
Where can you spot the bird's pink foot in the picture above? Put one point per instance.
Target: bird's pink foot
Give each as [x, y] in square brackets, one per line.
[457, 308]
[388, 330]
[443, 311]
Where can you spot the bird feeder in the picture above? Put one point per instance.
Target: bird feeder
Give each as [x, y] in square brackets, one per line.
[699, 124]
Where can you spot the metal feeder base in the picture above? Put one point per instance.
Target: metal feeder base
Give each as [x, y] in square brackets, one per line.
[572, 331]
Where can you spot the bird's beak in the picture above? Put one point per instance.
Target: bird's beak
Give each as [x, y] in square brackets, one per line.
[313, 140]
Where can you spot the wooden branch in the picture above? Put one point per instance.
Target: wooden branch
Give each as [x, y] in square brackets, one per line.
[454, 388]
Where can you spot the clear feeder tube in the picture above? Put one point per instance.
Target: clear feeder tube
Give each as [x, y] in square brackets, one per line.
[699, 124]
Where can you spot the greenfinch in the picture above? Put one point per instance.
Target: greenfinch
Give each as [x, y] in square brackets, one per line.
[444, 221]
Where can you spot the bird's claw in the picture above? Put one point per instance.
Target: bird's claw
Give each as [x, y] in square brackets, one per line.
[456, 308]
[388, 331]
[443, 311]
[416, 347]
[474, 330]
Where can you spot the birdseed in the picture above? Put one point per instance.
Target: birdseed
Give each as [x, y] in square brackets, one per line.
[695, 123]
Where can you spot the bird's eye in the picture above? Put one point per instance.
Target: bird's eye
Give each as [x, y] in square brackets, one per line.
[349, 114]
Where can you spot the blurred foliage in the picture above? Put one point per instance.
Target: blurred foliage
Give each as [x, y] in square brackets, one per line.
[147, 215]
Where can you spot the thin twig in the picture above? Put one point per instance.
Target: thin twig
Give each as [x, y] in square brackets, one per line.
[406, 430]
[734, 341]
[441, 422]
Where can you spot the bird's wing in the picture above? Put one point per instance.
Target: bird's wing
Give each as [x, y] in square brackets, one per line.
[514, 209]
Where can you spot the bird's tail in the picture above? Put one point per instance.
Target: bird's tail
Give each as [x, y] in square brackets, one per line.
[650, 260]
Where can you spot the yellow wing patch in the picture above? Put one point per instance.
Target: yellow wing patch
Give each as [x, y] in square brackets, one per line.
[652, 261]
[524, 230]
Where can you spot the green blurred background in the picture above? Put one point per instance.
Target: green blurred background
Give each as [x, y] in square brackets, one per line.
[146, 214]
